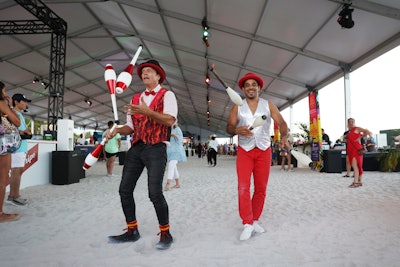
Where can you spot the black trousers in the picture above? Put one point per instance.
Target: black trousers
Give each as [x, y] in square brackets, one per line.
[154, 158]
[212, 156]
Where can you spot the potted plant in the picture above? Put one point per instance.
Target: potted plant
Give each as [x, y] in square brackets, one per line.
[389, 160]
[304, 135]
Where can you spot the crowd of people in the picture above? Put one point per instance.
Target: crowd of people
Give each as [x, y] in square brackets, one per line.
[201, 148]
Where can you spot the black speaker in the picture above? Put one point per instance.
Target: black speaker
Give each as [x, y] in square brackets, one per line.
[332, 161]
[67, 167]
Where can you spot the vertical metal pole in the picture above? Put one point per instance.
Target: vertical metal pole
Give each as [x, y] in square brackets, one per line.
[291, 116]
[347, 95]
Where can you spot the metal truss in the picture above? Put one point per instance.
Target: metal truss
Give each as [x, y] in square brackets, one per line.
[48, 22]
[23, 27]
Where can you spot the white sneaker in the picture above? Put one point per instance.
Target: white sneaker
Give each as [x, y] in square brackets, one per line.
[258, 228]
[17, 201]
[248, 231]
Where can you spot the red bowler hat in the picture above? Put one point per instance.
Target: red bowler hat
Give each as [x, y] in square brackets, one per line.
[251, 75]
[152, 64]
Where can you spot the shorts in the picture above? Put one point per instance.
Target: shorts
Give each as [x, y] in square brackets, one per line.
[109, 155]
[18, 159]
[285, 153]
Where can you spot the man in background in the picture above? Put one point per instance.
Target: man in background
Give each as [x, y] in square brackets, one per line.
[80, 140]
[325, 138]
[212, 150]
[20, 104]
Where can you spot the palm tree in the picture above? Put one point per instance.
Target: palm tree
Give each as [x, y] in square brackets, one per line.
[304, 134]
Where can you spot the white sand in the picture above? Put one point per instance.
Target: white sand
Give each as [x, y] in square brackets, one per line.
[311, 219]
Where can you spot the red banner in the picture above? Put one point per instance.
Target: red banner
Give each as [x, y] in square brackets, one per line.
[32, 156]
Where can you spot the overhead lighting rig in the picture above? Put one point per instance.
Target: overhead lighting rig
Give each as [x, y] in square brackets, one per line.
[207, 80]
[345, 18]
[40, 81]
[88, 102]
[206, 34]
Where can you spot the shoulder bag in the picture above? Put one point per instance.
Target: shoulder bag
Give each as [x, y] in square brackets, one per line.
[10, 140]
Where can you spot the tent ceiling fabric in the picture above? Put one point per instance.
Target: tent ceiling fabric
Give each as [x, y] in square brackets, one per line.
[292, 45]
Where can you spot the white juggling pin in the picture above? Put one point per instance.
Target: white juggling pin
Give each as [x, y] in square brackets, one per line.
[235, 97]
[258, 122]
[110, 78]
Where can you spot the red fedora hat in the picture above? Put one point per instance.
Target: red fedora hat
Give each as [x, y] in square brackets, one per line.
[251, 75]
[154, 65]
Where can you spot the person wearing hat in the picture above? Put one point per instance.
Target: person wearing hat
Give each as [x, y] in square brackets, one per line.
[254, 150]
[20, 104]
[150, 116]
[212, 151]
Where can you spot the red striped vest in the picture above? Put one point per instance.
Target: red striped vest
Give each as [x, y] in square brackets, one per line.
[147, 129]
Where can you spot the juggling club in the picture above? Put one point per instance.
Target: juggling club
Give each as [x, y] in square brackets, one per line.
[93, 157]
[235, 97]
[110, 78]
[260, 120]
[125, 78]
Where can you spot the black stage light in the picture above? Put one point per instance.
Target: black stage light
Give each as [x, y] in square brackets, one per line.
[88, 102]
[345, 18]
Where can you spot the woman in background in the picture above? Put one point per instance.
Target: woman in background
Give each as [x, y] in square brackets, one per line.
[355, 151]
[5, 160]
[286, 154]
[175, 154]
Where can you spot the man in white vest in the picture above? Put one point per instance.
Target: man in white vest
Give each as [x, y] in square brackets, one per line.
[254, 151]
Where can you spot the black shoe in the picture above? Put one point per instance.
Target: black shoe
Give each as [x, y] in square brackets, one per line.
[132, 235]
[165, 240]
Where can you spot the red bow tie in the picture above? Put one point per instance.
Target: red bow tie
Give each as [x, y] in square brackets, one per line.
[150, 93]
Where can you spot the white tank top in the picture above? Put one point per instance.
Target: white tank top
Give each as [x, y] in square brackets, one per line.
[261, 138]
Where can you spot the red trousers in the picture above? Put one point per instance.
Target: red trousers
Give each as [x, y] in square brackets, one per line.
[258, 163]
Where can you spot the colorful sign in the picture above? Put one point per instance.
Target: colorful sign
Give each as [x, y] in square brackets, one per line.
[32, 156]
[315, 126]
[277, 134]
